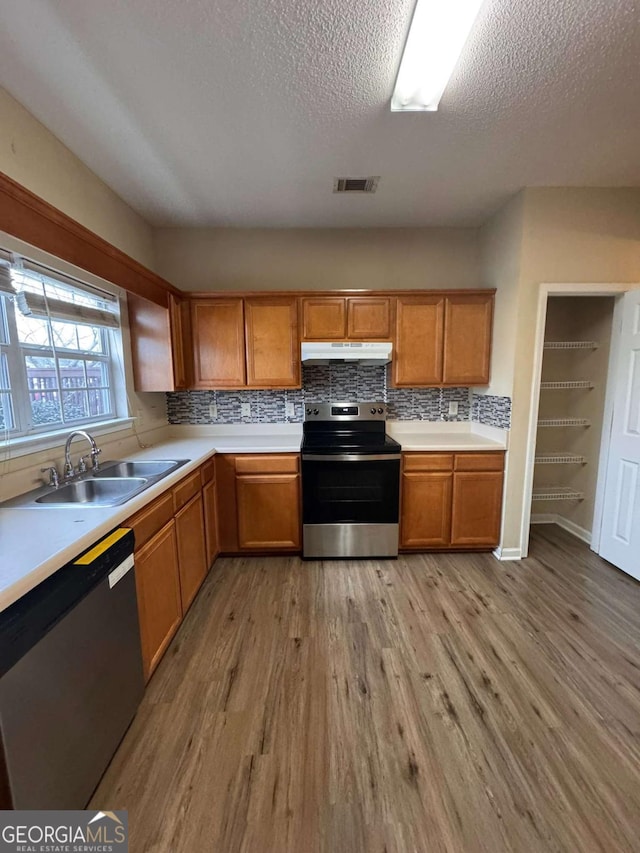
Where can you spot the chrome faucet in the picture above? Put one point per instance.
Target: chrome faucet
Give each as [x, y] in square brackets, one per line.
[69, 470]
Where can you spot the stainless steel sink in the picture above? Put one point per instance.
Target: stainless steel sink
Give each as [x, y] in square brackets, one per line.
[146, 468]
[94, 491]
[114, 483]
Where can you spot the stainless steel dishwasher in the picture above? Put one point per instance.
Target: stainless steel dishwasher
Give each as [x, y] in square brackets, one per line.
[70, 678]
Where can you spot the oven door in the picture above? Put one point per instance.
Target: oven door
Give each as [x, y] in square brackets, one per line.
[350, 488]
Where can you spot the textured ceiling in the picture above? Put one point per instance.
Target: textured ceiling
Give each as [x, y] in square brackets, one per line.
[241, 112]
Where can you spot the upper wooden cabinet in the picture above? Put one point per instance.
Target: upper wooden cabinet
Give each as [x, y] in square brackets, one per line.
[340, 318]
[467, 339]
[272, 341]
[160, 345]
[442, 339]
[251, 342]
[218, 343]
[368, 318]
[417, 357]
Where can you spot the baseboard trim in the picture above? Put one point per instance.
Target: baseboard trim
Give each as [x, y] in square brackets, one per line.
[507, 553]
[543, 518]
[564, 523]
[575, 529]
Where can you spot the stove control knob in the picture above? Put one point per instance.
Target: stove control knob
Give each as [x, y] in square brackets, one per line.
[308, 411]
[373, 411]
[316, 412]
[380, 410]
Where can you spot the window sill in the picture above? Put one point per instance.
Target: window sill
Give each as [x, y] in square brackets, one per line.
[26, 444]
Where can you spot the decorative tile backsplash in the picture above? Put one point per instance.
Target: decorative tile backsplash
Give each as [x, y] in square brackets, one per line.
[491, 411]
[338, 382]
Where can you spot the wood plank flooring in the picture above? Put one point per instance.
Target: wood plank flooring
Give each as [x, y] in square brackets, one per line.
[443, 702]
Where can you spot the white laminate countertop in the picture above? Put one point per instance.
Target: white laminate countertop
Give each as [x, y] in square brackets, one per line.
[438, 435]
[35, 543]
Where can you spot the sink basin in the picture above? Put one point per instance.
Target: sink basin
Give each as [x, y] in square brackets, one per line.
[145, 468]
[114, 483]
[97, 492]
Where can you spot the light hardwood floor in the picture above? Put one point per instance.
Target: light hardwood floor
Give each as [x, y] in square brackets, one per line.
[441, 702]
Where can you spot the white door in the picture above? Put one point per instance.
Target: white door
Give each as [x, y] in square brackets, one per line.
[620, 534]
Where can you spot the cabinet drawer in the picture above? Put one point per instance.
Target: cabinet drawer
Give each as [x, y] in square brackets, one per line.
[479, 461]
[208, 471]
[149, 520]
[267, 464]
[427, 461]
[186, 489]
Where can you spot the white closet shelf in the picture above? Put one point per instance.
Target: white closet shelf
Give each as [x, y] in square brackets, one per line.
[571, 345]
[560, 459]
[556, 493]
[564, 422]
[566, 383]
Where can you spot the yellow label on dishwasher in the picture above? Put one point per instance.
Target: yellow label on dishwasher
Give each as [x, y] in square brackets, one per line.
[101, 547]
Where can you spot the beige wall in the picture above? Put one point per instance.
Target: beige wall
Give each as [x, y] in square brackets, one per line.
[569, 235]
[35, 158]
[500, 262]
[318, 259]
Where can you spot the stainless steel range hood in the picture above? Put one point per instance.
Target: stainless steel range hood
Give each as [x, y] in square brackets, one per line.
[367, 353]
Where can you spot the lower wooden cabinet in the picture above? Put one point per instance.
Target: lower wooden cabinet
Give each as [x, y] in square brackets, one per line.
[192, 559]
[268, 511]
[477, 508]
[210, 521]
[426, 509]
[259, 505]
[175, 544]
[451, 501]
[158, 590]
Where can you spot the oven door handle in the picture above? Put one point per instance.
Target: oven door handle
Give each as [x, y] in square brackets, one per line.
[350, 457]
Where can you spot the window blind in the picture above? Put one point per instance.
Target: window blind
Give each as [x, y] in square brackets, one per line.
[40, 292]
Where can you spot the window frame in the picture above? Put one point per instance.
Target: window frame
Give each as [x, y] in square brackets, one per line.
[20, 394]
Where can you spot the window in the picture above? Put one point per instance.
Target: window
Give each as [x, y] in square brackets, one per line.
[56, 346]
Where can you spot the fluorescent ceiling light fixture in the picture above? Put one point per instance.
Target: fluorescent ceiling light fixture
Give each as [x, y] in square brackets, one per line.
[438, 31]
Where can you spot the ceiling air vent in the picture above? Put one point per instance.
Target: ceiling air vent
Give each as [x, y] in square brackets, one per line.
[356, 185]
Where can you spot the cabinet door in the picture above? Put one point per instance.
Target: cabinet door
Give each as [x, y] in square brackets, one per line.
[272, 342]
[417, 360]
[426, 509]
[368, 318]
[180, 315]
[467, 339]
[477, 508]
[268, 511]
[210, 521]
[158, 590]
[324, 318]
[151, 345]
[218, 341]
[192, 558]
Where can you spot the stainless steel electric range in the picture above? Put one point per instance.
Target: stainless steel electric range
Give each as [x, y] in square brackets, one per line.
[350, 482]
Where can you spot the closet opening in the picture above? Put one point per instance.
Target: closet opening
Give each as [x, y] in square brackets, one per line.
[575, 366]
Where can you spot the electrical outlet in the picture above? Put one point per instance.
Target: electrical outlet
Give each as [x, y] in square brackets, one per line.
[245, 410]
[453, 408]
[290, 410]
[213, 411]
